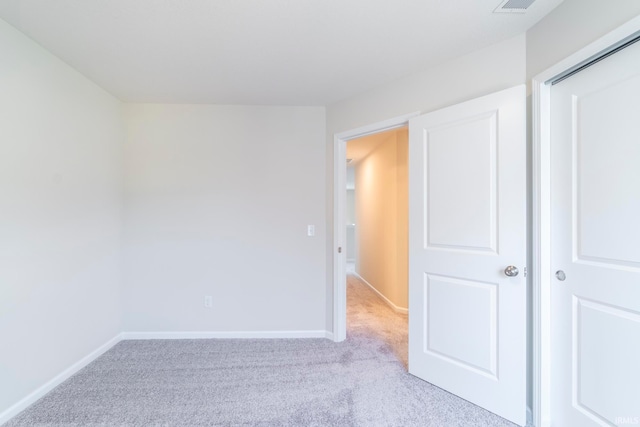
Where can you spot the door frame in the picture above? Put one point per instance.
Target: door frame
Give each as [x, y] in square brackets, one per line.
[340, 210]
[541, 241]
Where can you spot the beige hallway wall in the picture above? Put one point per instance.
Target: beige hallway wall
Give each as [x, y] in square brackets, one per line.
[402, 216]
[382, 215]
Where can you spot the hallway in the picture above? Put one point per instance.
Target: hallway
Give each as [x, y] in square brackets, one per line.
[368, 315]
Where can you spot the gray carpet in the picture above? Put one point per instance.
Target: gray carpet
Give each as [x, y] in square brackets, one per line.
[276, 382]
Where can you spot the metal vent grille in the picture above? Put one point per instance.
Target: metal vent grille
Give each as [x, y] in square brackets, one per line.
[513, 6]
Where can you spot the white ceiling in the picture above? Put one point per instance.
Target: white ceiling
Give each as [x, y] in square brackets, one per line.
[288, 52]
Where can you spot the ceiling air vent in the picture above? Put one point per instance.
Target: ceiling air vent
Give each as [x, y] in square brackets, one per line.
[513, 6]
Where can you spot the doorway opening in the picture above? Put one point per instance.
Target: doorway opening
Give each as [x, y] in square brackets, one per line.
[376, 246]
[340, 214]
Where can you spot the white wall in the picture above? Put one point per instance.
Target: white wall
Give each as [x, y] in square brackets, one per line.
[218, 202]
[351, 206]
[60, 216]
[571, 26]
[488, 70]
[351, 221]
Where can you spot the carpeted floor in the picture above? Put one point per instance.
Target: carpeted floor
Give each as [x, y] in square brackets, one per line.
[298, 382]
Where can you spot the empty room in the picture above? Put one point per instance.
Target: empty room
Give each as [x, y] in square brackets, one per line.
[177, 247]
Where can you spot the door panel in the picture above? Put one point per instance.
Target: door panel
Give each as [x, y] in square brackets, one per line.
[595, 166]
[461, 185]
[600, 335]
[603, 128]
[462, 308]
[467, 215]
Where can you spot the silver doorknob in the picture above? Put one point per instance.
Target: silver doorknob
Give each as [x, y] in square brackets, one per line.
[511, 271]
[560, 275]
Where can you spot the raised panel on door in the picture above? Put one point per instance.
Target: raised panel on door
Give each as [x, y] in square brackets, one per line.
[604, 360]
[462, 323]
[461, 211]
[606, 154]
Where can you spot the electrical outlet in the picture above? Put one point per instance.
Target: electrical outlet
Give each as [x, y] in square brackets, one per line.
[311, 230]
[208, 301]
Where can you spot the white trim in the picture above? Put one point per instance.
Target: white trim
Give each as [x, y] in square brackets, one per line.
[541, 111]
[598, 46]
[32, 397]
[339, 239]
[370, 129]
[395, 308]
[540, 249]
[339, 209]
[179, 335]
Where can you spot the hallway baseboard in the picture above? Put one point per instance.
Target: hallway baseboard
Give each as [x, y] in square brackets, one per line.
[395, 308]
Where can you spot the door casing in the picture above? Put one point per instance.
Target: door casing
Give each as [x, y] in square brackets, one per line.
[339, 214]
[541, 239]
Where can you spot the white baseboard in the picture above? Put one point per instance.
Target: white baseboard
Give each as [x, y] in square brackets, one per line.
[31, 398]
[223, 334]
[395, 308]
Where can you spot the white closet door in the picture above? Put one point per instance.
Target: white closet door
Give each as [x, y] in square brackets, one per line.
[595, 184]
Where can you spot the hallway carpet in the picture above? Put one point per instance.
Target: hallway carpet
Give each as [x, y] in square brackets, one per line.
[267, 382]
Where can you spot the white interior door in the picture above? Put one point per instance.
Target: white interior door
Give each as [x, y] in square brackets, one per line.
[595, 225]
[467, 216]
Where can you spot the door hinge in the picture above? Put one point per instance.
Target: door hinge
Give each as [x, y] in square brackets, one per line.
[339, 249]
[525, 272]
